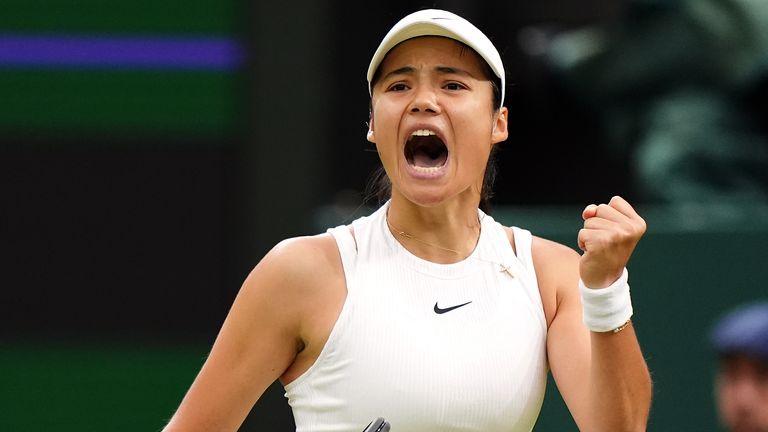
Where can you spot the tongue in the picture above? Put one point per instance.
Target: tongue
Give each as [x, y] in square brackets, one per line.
[424, 160]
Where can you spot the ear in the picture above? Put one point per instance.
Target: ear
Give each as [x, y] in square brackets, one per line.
[500, 132]
[370, 136]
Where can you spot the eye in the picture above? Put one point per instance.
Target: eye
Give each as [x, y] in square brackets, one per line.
[397, 87]
[455, 86]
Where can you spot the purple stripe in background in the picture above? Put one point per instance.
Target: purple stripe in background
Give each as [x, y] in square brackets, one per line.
[111, 52]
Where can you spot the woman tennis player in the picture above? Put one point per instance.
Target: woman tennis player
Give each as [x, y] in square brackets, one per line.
[428, 312]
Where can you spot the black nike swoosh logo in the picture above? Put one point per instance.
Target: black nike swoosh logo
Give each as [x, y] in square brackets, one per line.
[439, 310]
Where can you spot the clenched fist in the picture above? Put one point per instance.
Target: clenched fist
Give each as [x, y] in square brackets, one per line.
[611, 232]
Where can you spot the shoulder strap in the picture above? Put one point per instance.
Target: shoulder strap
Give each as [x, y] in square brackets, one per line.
[523, 241]
[345, 241]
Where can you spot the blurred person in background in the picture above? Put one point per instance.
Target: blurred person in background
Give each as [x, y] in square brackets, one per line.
[740, 339]
[680, 90]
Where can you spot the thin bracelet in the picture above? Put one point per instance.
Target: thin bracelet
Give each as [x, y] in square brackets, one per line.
[621, 327]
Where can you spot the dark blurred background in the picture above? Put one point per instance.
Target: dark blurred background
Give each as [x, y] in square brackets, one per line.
[152, 152]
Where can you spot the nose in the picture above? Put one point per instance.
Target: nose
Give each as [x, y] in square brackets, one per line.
[425, 100]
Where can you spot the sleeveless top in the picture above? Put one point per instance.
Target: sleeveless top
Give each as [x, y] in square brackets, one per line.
[429, 347]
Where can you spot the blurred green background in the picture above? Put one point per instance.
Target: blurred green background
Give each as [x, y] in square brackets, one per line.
[136, 198]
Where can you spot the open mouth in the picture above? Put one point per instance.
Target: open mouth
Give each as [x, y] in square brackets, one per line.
[424, 149]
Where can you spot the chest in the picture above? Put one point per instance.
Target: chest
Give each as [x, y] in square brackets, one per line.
[470, 349]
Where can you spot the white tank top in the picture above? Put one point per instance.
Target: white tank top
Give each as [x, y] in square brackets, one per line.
[429, 347]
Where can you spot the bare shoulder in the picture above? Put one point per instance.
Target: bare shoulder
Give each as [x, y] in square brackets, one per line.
[291, 269]
[557, 265]
[550, 252]
[297, 268]
[299, 258]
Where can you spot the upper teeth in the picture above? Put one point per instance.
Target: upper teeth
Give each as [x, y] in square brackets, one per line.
[423, 132]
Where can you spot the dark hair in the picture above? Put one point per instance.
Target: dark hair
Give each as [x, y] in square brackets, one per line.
[380, 187]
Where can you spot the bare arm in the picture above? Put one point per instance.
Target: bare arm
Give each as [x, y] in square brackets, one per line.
[602, 377]
[259, 340]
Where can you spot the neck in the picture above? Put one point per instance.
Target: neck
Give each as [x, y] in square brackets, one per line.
[444, 233]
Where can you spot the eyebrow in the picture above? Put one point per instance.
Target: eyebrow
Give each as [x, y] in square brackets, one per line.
[443, 70]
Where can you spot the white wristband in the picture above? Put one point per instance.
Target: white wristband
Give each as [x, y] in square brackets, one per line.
[607, 309]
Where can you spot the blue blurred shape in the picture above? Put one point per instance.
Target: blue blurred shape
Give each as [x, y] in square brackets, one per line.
[119, 52]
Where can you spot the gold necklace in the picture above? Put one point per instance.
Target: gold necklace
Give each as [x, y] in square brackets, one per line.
[404, 234]
[502, 267]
